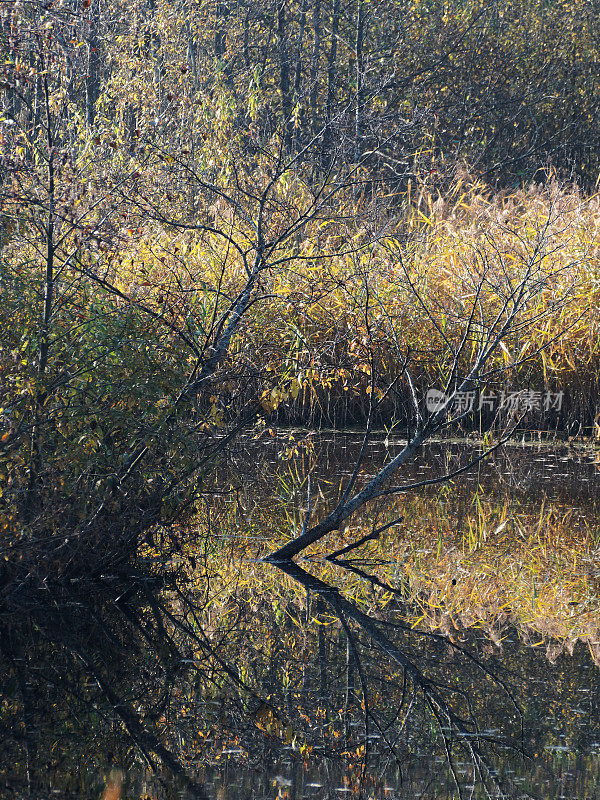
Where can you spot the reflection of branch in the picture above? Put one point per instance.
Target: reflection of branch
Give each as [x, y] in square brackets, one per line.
[353, 546]
[373, 579]
[363, 685]
[407, 487]
[467, 729]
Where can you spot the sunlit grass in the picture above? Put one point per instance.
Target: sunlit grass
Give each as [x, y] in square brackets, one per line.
[312, 336]
[316, 340]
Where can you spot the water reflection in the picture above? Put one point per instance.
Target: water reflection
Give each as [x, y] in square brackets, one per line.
[423, 663]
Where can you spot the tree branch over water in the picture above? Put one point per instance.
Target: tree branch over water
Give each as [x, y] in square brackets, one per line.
[503, 289]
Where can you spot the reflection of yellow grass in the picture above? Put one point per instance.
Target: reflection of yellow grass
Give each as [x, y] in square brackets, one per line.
[538, 573]
[530, 568]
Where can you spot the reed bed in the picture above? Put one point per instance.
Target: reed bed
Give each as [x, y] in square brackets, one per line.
[354, 298]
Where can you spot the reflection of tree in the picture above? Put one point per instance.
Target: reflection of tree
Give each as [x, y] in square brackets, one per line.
[252, 674]
[453, 709]
[230, 661]
[474, 549]
[82, 663]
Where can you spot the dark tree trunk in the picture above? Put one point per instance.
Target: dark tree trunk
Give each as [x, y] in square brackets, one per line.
[92, 79]
[314, 64]
[359, 66]
[350, 684]
[50, 244]
[192, 55]
[299, 49]
[246, 45]
[221, 31]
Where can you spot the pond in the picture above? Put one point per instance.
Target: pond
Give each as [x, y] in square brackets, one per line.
[455, 654]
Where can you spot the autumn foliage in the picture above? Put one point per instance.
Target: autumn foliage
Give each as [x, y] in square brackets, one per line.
[217, 216]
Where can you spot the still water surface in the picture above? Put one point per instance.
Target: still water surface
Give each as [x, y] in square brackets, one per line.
[457, 655]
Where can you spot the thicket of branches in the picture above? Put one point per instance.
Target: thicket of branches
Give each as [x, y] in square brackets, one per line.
[169, 172]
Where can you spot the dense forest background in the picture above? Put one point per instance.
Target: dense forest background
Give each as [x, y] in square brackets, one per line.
[410, 90]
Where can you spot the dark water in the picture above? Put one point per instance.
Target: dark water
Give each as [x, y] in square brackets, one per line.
[545, 468]
[312, 680]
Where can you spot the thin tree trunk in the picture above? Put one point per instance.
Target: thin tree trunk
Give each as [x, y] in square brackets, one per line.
[38, 104]
[350, 684]
[284, 74]
[322, 664]
[220, 31]
[22, 669]
[314, 65]
[323, 659]
[359, 78]
[49, 266]
[44, 338]
[191, 54]
[92, 80]
[331, 64]
[298, 70]
[246, 45]
[350, 667]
